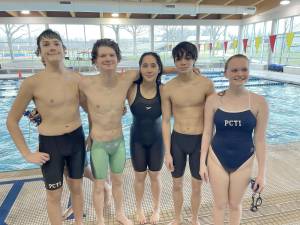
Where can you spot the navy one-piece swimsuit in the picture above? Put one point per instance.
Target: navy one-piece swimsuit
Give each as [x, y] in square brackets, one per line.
[233, 142]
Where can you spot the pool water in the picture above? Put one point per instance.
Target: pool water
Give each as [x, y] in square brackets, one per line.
[283, 100]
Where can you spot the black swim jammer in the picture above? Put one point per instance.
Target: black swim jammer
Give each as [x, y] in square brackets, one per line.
[67, 149]
[183, 145]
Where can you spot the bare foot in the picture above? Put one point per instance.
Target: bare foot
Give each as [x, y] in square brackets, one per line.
[100, 222]
[140, 217]
[122, 219]
[195, 222]
[107, 194]
[174, 223]
[67, 213]
[154, 219]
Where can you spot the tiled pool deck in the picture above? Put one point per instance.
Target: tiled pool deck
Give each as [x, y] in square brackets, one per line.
[281, 197]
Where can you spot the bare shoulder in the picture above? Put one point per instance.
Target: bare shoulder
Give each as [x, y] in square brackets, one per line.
[204, 80]
[169, 86]
[171, 83]
[213, 98]
[85, 81]
[161, 87]
[33, 80]
[258, 100]
[75, 75]
[132, 89]
[259, 103]
[129, 75]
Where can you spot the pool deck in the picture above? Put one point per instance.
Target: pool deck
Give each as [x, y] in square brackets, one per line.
[264, 74]
[22, 201]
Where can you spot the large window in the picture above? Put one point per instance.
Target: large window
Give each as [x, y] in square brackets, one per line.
[204, 41]
[231, 36]
[18, 41]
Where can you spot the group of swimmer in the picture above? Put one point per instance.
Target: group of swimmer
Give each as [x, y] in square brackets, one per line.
[227, 128]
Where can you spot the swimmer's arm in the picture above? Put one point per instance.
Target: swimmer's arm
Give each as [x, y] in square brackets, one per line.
[25, 95]
[83, 101]
[260, 135]
[169, 70]
[88, 142]
[208, 128]
[82, 83]
[211, 88]
[132, 75]
[166, 117]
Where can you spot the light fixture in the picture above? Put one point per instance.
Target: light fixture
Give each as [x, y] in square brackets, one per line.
[115, 15]
[245, 14]
[25, 12]
[285, 2]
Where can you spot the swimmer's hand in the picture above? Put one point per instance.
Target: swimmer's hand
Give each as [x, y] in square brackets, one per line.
[169, 162]
[203, 173]
[196, 71]
[37, 157]
[259, 184]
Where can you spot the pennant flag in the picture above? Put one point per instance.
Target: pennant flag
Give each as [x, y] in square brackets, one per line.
[272, 39]
[218, 45]
[245, 44]
[289, 39]
[257, 43]
[235, 44]
[225, 45]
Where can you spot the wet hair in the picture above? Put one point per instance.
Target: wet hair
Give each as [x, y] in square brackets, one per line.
[159, 63]
[185, 49]
[49, 34]
[105, 42]
[241, 56]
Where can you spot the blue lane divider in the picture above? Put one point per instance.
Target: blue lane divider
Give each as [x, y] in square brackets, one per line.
[250, 79]
[254, 85]
[12, 196]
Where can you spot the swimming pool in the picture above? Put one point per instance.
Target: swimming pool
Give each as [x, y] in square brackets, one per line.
[283, 100]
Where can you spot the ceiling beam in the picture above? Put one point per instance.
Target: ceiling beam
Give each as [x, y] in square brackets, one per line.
[229, 2]
[178, 16]
[258, 2]
[73, 14]
[224, 17]
[43, 13]
[13, 13]
[202, 16]
[153, 16]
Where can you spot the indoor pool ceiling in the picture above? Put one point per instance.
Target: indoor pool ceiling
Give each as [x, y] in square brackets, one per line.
[138, 9]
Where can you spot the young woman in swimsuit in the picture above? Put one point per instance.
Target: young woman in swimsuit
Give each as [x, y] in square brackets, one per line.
[240, 120]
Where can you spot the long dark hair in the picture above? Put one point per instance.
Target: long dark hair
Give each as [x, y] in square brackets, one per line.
[159, 63]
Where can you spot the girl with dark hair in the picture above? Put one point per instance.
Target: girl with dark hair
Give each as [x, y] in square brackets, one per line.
[146, 145]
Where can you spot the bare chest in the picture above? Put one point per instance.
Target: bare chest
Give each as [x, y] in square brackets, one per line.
[105, 100]
[187, 96]
[56, 93]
